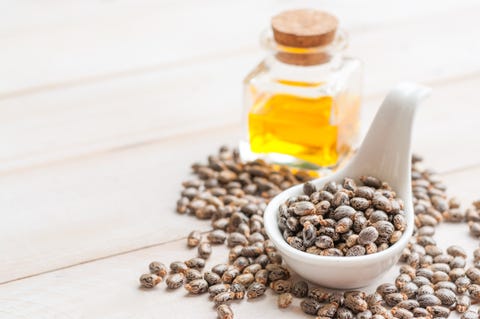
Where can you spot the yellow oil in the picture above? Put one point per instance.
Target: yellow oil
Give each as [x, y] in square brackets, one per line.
[317, 130]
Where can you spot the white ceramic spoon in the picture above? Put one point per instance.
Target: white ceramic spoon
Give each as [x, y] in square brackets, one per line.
[386, 154]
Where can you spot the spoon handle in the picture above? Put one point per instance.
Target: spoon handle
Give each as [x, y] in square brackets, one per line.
[386, 149]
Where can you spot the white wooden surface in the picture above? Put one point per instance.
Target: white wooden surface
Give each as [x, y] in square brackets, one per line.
[105, 104]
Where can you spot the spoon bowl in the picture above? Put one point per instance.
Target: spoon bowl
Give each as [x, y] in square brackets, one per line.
[386, 154]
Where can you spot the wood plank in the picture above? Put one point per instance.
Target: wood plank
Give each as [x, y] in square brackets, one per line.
[92, 117]
[68, 293]
[80, 210]
[84, 198]
[102, 205]
[112, 283]
[41, 127]
[90, 39]
[44, 45]
[85, 120]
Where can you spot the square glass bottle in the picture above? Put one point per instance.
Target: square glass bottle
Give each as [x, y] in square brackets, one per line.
[302, 103]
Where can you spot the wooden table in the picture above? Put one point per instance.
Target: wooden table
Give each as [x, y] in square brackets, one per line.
[104, 105]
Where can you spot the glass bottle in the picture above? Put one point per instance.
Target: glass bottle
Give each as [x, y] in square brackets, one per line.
[302, 103]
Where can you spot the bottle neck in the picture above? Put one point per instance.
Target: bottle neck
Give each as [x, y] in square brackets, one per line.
[304, 59]
[315, 73]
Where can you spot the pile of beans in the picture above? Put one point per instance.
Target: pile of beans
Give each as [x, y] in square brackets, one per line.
[233, 195]
[343, 219]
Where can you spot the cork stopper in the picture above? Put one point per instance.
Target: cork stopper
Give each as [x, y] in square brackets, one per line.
[304, 28]
[304, 36]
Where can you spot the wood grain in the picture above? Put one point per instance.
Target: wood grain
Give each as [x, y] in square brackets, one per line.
[102, 118]
[103, 107]
[125, 199]
[45, 45]
[78, 120]
[108, 288]
[103, 205]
